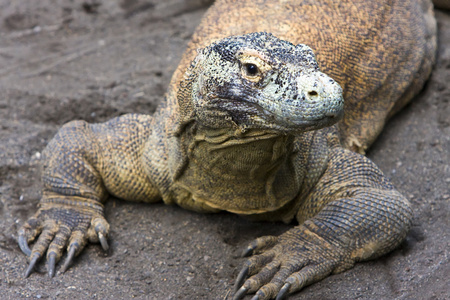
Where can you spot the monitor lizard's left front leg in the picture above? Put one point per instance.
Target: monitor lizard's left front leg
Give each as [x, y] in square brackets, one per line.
[354, 214]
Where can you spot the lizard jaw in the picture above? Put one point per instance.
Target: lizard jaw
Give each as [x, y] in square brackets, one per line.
[318, 103]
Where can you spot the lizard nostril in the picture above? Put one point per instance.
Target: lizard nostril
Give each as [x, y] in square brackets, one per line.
[312, 93]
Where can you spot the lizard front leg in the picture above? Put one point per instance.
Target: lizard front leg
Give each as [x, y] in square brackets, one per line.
[353, 213]
[83, 164]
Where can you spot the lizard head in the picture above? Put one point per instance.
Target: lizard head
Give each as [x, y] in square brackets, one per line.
[257, 81]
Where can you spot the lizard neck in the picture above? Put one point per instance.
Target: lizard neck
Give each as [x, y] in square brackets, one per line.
[242, 172]
[253, 154]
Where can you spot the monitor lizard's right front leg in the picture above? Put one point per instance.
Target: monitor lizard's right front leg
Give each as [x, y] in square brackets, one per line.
[83, 164]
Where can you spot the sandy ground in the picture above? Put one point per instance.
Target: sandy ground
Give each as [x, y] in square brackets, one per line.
[93, 60]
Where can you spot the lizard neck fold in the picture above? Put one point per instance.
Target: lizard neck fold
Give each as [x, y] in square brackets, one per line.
[243, 173]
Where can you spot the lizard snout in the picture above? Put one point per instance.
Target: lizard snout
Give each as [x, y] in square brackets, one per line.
[321, 95]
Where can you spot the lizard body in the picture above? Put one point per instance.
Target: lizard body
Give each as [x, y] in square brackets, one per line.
[250, 126]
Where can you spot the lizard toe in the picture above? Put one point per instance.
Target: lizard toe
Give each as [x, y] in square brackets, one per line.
[99, 231]
[253, 266]
[28, 232]
[308, 275]
[73, 248]
[274, 277]
[77, 242]
[259, 245]
[56, 248]
[262, 278]
[40, 247]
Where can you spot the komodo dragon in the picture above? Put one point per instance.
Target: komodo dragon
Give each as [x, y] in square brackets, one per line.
[249, 126]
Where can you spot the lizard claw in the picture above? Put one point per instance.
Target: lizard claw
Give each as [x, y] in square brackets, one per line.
[23, 244]
[260, 244]
[101, 228]
[283, 292]
[103, 241]
[240, 293]
[241, 278]
[51, 260]
[70, 256]
[248, 251]
[33, 261]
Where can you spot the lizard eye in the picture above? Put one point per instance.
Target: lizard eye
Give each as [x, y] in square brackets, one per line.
[251, 69]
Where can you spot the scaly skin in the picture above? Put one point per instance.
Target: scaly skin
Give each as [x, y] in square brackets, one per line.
[250, 126]
[380, 52]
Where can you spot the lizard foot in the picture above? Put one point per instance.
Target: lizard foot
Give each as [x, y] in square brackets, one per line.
[285, 264]
[57, 227]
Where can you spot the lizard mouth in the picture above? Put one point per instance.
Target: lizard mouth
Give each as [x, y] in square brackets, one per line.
[252, 115]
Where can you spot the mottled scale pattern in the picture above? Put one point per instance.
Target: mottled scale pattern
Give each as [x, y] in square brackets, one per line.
[380, 52]
[254, 123]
